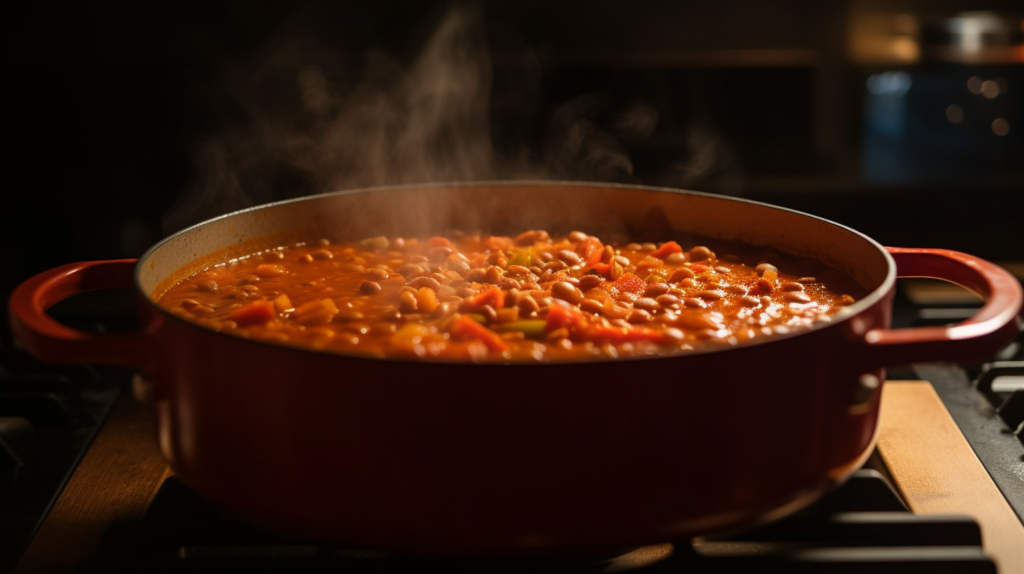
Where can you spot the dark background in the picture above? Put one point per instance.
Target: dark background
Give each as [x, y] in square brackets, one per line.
[106, 104]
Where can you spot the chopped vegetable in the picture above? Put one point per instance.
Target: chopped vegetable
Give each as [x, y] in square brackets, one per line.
[492, 296]
[255, 313]
[466, 328]
[563, 316]
[666, 250]
[530, 328]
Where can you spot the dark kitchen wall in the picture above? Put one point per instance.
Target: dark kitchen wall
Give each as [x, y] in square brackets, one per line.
[107, 106]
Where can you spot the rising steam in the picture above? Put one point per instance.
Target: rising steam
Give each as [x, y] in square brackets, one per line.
[297, 123]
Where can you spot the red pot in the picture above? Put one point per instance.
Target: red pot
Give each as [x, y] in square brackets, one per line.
[449, 458]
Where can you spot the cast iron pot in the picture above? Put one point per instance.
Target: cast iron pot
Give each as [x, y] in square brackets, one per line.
[495, 459]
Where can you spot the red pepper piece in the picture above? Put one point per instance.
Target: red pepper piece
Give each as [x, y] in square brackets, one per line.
[560, 316]
[466, 328]
[255, 313]
[492, 296]
[666, 250]
[698, 268]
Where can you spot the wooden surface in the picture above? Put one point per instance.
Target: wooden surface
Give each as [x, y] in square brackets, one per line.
[937, 472]
[116, 480]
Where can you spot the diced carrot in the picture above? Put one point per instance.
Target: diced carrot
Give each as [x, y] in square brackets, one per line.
[666, 250]
[255, 313]
[466, 328]
[492, 296]
[563, 317]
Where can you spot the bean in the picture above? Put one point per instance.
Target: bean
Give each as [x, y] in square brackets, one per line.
[675, 259]
[477, 276]
[407, 301]
[377, 274]
[765, 285]
[465, 291]
[428, 282]
[189, 303]
[694, 302]
[588, 282]
[597, 294]
[633, 247]
[320, 254]
[749, 301]
[682, 273]
[458, 266]
[518, 270]
[656, 289]
[736, 289]
[791, 286]
[493, 275]
[762, 267]
[577, 236]
[305, 258]
[439, 254]
[639, 316]
[616, 309]
[443, 309]
[569, 257]
[527, 305]
[509, 284]
[667, 301]
[846, 300]
[624, 261]
[410, 270]
[796, 297]
[250, 279]
[648, 247]
[545, 276]
[209, 285]
[398, 243]
[566, 292]
[426, 299]
[488, 312]
[369, 287]
[615, 271]
[806, 280]
[608, 254]
[203, 309]
[700, 253]
[498, 259]
[710, 294]
[250, 289]
[273, 256]
[591, 306]
[532, 236]
[554, 266]
[723, 269]
[647, 304]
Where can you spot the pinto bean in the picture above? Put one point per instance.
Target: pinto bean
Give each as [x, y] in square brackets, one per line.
[647, 304]
[428, 282]
[656, 289]
[369, 287]
[700, 253]
[588, 282]
[567, 292]
[681, 273]
[569, 257]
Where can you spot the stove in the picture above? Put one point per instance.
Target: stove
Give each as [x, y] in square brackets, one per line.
[83, 487]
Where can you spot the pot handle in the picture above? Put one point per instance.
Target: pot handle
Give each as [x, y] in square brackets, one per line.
[53, 342]
[992, 327]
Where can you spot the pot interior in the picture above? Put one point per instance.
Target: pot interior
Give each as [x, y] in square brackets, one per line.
[636, 213]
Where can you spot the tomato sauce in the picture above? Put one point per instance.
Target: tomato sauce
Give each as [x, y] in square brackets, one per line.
[531, 297]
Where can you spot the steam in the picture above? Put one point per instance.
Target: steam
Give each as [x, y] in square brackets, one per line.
[300, 120]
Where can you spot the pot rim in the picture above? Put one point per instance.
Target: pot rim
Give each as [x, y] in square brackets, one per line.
[839, 318]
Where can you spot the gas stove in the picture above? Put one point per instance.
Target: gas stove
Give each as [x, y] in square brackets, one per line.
[84, 488]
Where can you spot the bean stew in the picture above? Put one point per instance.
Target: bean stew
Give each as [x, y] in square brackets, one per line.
[532, 297]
